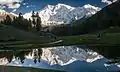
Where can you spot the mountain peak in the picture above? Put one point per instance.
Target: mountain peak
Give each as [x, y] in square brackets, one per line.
[92, 7]
[63, 14]
[49, 6]
[64, 5]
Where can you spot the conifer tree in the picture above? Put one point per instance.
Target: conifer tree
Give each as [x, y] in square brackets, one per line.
[8, 20]
[33, 19]
[38, 22]
[30, 23]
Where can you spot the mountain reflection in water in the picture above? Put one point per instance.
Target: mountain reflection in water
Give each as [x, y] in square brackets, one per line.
[68, 58]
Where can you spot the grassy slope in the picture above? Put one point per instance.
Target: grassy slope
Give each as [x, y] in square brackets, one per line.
[9, 34]
[111, 37]
[90, 40]
[24, 69]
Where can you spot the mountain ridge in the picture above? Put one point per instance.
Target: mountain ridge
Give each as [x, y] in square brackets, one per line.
[63, 14]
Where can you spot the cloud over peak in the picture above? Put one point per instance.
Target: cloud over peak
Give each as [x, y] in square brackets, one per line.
[108, 1]
[12, 4]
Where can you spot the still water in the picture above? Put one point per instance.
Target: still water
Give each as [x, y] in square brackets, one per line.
[67, 58]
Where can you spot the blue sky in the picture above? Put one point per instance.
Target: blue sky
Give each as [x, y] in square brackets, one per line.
[29, 5]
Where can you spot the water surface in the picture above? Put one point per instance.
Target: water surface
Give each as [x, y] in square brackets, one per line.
[68, 58]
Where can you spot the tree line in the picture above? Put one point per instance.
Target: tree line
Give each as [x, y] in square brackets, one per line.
[25, 24]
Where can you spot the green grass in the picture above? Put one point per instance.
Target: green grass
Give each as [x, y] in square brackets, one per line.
[25, 39]
[25, 69]
[91, 39]
[10, 36]
[111, 37]
[108, 39]
[8, 33]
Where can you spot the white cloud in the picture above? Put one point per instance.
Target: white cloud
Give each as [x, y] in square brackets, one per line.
[12, 4]
[108, 1]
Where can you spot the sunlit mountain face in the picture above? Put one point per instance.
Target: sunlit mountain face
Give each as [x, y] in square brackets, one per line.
[53, 12]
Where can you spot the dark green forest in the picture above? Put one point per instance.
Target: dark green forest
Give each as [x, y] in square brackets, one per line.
[24, 24]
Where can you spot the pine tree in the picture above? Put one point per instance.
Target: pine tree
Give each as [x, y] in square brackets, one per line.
[37, 14]
[38, 23]
[38, 26]
[30, 23]
[20, 18]
[33, 19]
[2, 22]
[20, 15]
[33, 14]
[8, 20]
[14, 22]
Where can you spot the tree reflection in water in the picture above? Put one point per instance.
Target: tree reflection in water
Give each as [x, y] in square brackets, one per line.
[37, 55]
[20, 54]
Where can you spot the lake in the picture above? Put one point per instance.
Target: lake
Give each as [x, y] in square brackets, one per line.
[66, 58]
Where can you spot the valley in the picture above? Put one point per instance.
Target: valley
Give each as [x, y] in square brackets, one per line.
[61, 37]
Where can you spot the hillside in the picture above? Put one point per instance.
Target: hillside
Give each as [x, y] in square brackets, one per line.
[11, 37]
[12, 33]
[108, 17]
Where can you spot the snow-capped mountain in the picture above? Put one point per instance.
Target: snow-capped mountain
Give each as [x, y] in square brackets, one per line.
[63, 14]
[3, 14]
